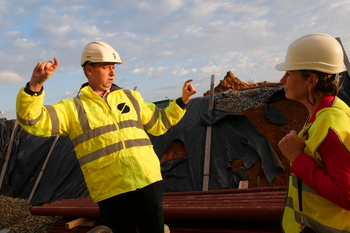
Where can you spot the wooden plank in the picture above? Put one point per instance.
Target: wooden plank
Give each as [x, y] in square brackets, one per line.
[91, 223]
[8, 153]
[80, 222]
[208, 140]
[243, 184]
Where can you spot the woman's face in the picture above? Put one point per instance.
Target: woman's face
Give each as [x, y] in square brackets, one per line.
[295, 85]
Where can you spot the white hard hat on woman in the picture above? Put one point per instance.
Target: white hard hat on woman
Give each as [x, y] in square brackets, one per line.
[317, 51]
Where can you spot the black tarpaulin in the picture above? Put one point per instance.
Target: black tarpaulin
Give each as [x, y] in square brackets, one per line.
[61, 178]
[273, 114]
[344, 87]
[232, 137]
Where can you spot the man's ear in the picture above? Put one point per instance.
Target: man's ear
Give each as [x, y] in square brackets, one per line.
[88, 69]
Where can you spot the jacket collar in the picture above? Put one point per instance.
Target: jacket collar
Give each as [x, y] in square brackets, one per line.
[326, 102]
[114, 87]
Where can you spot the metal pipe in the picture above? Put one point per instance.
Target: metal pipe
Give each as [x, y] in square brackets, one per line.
[251, 204]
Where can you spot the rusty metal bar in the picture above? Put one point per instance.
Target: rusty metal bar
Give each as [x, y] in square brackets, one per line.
[252, 204]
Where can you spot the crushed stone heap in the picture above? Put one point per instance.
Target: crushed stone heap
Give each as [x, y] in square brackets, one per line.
[237, 101]
[15, 216]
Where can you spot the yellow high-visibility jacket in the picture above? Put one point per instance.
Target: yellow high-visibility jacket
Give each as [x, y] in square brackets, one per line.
[109, 137]
[319, 213]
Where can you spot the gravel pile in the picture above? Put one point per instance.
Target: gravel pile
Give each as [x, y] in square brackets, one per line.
[15, 217]
[237, 101]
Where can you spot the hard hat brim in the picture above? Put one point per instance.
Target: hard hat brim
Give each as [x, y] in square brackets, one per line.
[322, 67]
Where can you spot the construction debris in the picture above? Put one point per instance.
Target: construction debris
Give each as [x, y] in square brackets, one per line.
[16, 218]
[237, 101]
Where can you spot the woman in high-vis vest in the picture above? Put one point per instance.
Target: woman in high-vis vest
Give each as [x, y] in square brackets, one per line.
[107, 126]
[318, 197]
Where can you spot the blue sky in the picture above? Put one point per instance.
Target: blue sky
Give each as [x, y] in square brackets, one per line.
[162, 42]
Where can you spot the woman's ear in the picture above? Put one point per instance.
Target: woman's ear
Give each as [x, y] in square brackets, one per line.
[313, 80]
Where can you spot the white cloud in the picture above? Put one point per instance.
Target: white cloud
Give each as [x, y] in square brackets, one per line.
[10, 78]
[180, 71]
[212, 69]
[24, 44]
[147, 71]
[12, 33]
[162, 41]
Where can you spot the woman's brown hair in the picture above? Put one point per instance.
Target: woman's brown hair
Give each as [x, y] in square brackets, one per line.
[327, 83]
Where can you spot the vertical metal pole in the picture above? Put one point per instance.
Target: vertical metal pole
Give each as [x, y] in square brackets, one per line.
[206, 171]
[8, 153]
[346, 59]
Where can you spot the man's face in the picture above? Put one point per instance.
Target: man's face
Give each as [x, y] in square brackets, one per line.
[100, 76]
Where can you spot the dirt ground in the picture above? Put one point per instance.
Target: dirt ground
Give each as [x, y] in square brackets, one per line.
[294, 111]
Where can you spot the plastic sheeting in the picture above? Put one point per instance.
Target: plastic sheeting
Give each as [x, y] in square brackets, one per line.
[61, 178]
[232, 137]
[344, 87]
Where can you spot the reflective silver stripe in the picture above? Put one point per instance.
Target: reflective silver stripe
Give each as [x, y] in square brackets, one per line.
[289, 202]
[155, 117]
[134, 102]
[153, 120]
[304, 186]
[138, 142]
[29, 122]
[54, 120]
[113, 148]
[92, 133]
[87, 135]
[100, 153]
[130, 123]
[165, 119]
[316, 225]
[81, 114]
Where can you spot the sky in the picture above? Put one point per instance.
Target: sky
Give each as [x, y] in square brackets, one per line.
[162, 43]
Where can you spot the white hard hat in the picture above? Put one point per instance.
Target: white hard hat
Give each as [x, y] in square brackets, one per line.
[320, 52]
[98, 51]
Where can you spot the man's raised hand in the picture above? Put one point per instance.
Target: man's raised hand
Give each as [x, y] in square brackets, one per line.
[42, 72]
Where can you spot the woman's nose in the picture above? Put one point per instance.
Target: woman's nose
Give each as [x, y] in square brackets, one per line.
[283, 79]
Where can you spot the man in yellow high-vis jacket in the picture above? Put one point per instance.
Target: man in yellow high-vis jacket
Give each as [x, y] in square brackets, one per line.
[107, 126]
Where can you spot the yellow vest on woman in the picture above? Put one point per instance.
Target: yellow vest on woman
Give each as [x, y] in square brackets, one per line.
[319, 213]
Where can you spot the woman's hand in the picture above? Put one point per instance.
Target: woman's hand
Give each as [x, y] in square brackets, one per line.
[291, 145]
